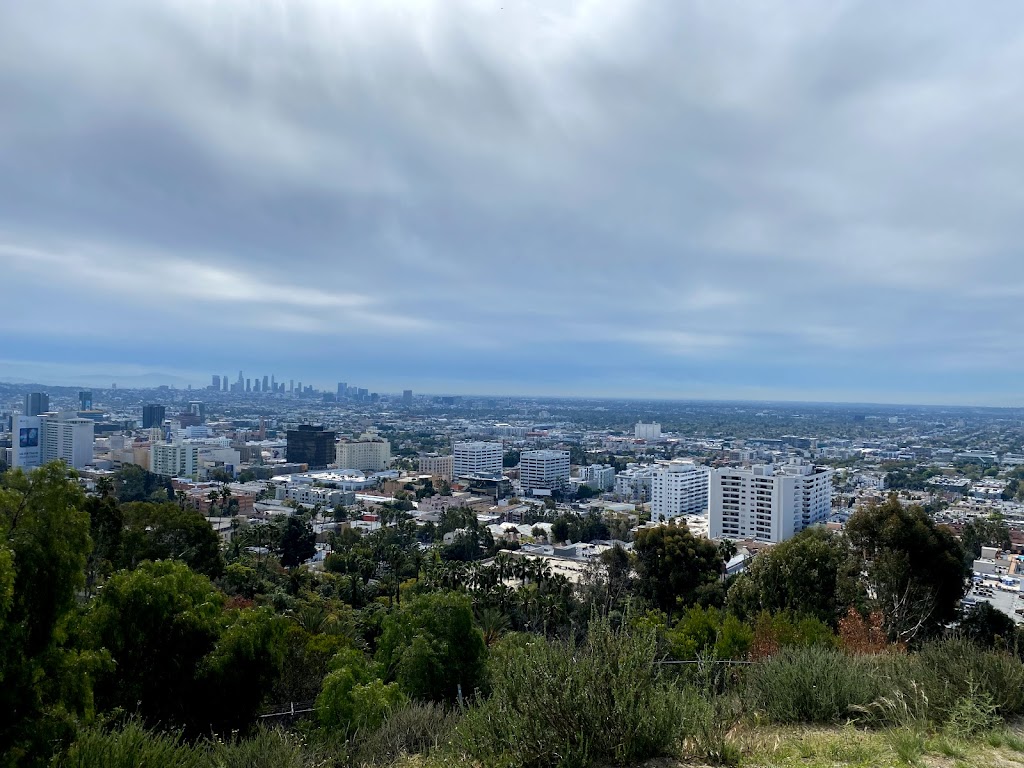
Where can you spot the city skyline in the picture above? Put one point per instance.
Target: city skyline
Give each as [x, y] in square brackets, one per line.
[812, 202]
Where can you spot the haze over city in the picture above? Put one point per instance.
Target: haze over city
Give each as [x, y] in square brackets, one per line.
[800, 201]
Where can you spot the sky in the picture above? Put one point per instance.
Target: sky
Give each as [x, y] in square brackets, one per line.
[809, 200]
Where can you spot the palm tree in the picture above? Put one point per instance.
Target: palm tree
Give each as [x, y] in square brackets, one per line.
[493, 623]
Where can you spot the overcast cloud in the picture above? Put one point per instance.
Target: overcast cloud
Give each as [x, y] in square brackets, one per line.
[800, 200]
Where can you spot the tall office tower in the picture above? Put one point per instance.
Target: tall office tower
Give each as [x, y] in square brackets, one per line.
[85, 400]
[256, 385]
[543, 470]
[273, 383]
[248, 385]
[241, 379]
[266, 383]
[309, 444]
[407, 397]
[215, 384]
[768, 502]
[153, 415]
[679, 488]
[36, 403]
[476, 458]
[341, 389]
[49, 437]
[647, 431]
[291, 385]
[298, 387]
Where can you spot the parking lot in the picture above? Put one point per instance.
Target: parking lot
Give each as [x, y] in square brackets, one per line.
[1006, 601]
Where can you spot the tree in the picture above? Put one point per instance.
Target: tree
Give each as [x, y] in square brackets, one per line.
[988, 626]
[560, 529]
[353, 696]
[812, 574]
[672, 564]
[298, 542]
[44, 543]
[168, 532]
[157, 622]
[106, 528]
[984, 532]
[432, 648]
[915, 569]
[510, 458]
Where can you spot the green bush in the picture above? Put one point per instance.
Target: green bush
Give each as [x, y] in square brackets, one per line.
[130, 746]
[811, 684]
[264, 748]
[560, 704]
[950, 670]
[418, 728]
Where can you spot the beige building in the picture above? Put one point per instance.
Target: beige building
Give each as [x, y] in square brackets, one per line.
[370, 453]
[437, 466]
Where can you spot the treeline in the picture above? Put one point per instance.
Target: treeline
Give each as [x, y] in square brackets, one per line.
[122, 621]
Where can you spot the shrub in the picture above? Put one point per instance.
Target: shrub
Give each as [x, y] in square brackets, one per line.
[265, 748]
[810, 684]
[561, 704]
[949, 670]
[130, 746]
[418, 728]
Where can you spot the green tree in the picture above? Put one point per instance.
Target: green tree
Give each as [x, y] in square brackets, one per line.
[672, 564]
[431, 647]
[984, 532]
[168, 532]
[915, 568]
[510, 458]
[298, 542]
[560, 529]
[988, 626]
[242, 667]
[157, 622]
[44, 543]
[813, 574]
[353, 695]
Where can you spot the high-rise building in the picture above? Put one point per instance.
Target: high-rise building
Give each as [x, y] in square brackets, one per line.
[407, 397]
[768, 502]
[85, 400]
[438, 466]
[679, 488]
[248, 385]
[215, 383]
[49, 437]
[153, 415]
[370, 453]
[266, 383]
[476, 458]
[342, 387]
[291, 385]
[198, 408]
[177, 459]
[544, 470]
[36, 403]
[647, 431]
[312, 445]
[635, 482]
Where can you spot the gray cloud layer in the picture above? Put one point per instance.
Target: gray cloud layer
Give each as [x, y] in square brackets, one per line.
[807, 184]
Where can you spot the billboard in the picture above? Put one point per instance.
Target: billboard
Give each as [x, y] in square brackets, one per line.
[28, 437]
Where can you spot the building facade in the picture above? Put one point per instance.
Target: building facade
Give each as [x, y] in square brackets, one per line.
[679, 488]
[635, 482]
[438, 466]
[153, 415]
[36, 403]
[176, 459]
[370, 453]
[310, 445]
[476, 458]
[544, 470]
[768, 502]
[600, 477]
[647, 431]
[48, 437]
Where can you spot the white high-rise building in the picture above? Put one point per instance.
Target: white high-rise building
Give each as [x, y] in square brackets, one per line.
[476, 458]
[679, 488]
[543, 470]
[635, 482]
[767, 502]
[370, 453]
[647, 431]
[175, 459]
[48, 437]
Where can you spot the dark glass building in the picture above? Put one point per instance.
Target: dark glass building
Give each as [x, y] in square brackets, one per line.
[312, 445]
[153, 415]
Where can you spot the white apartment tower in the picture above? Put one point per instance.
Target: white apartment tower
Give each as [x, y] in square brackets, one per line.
[647, 431]
[175, 459]
[543, 470]
[767, 502]
[370, 453]
[679, 488]
[52, 436]
[600, 477]
[476, 458]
